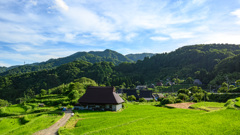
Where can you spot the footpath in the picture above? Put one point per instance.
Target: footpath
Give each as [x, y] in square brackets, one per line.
[53, 130]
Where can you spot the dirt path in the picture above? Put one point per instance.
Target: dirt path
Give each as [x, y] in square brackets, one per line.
[54, 128]
[180, 105]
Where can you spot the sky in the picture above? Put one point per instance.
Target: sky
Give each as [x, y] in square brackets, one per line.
[37, 30]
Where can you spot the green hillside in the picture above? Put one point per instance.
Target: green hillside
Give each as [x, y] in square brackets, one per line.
[199, 61]
[92, 57]
[136, 57]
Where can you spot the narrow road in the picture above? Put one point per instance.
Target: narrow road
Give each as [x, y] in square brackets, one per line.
[54, 128]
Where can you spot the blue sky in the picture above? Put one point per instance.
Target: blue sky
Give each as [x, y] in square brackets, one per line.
[37, 30]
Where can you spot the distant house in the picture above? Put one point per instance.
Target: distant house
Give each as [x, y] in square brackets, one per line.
[100, 98]
[170, 83]
[197, 82]
[130, 92]
[152, 86]
[141, 87]
[157, 96]
[159, 84]
[119, 91]
[146, 94]
[41, 105]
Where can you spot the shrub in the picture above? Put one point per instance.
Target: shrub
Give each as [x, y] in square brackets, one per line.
[132, 98]
[179, 101]
[237, 103]
[183, 96]
[151, 100]
[24, 119]
[168, 100]
[230, 104]
[183, 91]
[142, 100]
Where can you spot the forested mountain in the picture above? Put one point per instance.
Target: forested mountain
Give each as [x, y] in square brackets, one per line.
[209, 63]
[227, 70]
[136, 57]
[92, 57]
[195, 61]
[3, 69]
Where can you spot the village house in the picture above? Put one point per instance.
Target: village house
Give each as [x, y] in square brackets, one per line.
[141, 87]
[197, 82]
[130, 92]
[100, 98]
[146, 94]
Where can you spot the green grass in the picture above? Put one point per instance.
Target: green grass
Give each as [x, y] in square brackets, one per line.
[14, 109]
[13, 126]
[149, 119]
[237, 103]
[208, 106]
[6, 124]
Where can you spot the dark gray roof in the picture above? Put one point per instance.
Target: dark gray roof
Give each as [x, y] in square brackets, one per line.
[130, 92]
[145, 94]
[100, 95]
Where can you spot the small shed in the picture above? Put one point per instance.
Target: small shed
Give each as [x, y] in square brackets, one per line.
[197, 82]
[41, 105]
[100, 98]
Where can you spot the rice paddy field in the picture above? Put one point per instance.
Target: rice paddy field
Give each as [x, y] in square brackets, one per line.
[27, 119]
[28, 124]
[151, 119]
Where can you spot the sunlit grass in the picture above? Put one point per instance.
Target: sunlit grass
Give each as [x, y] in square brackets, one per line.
[36, 123]
[149, 119]
[208, 106]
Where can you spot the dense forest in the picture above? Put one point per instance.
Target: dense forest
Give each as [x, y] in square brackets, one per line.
[136, 57]
[92, 57]
[209, 63]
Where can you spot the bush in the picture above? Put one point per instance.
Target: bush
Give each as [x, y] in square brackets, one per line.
[198, 97]
[183, 91]
[132, 98]
[230, 104]
[24, 119]
[169, 100]
[151, 100]
[235, 90]
[142, 100]
[183, 97]
[179, 101]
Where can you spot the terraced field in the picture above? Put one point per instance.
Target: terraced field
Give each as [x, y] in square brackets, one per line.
[150, 119]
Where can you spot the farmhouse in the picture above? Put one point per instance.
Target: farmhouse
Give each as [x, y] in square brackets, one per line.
[141, 87]
[100, 98]
[130, 92]
[146, 94]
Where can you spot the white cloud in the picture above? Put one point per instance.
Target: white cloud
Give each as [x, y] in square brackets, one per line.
[22, 48]
[180, 35]
[237, 13]
[130, 36]
[4, 64]
[159, 38]
[230, 38]
[61, 4]
[107, 36]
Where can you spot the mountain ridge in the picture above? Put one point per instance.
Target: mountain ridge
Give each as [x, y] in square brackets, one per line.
[91, 56]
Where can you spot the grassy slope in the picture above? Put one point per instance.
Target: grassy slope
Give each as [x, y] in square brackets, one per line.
[38, 117]
[39, 123]
[237, 103]
[206, 105]
[148, 119]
